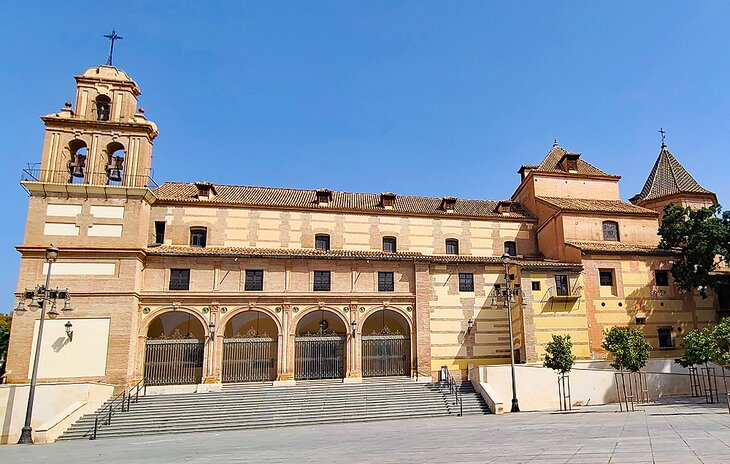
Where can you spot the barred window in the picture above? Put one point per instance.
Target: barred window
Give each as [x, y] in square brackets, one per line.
[606, 278]
[389, 244]
[198, 237]
[452, 246]
[510, 248]
[322, 242]
[386, 282]
[322, 281]
[610, 231]
[254, 281]
[466, 282]
[179, 279]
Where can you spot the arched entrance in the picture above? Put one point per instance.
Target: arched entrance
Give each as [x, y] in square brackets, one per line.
[320, 346]
[174, 349]
[386, 345]
[249, 348]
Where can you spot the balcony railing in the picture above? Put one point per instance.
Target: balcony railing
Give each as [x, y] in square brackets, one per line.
[32, 174]
[566, 294]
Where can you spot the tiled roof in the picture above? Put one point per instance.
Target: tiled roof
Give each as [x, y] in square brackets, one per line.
[307, 199]
[551, 163]
[293, 253]
[621, 248]
[597, 206]
[668, 177]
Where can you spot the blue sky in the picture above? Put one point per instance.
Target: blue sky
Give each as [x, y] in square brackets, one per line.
[423, 98]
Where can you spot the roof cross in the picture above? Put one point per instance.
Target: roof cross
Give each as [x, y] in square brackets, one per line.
[112, 37]
[663, 132]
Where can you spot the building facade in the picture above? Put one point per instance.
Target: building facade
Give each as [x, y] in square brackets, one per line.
[191, 283]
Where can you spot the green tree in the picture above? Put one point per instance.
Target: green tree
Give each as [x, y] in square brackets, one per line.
[699, 347]
[721, 335]
[628, 346]
[5, 320]
[700, 235]
[559, 354]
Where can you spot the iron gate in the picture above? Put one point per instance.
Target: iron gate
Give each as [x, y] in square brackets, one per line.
[173, 362]
[319, 357]
[249, 359]
[384, 355]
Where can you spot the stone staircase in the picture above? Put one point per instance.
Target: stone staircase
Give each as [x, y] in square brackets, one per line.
[249, 406]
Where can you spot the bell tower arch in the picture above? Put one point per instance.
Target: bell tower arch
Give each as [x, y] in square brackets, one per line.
[103, 138]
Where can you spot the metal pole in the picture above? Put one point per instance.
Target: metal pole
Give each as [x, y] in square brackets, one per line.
[515, 403]
[26, 435]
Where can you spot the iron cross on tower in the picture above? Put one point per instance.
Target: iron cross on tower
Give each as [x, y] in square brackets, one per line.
[112, 37]
[663, 132]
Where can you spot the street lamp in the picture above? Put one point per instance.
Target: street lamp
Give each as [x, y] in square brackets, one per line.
[353, 327]
[508, 295]
[211, 329]
[40, 297]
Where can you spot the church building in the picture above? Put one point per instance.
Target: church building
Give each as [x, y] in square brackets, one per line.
[195, 283]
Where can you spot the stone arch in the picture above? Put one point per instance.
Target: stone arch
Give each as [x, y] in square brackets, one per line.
[402, 312]
[250, 345]
[391, 317]
[321, 345]
[386, 342]
[78, 155]
[326, 311]
[145, 327]
[226, 318]
[116, 154]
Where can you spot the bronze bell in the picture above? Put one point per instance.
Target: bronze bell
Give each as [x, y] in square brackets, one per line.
[115, 168]
[76, 166]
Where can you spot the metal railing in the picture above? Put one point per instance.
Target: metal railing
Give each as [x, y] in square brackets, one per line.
[249, 359]
[33, 174]
[453, 389]
[120, 403]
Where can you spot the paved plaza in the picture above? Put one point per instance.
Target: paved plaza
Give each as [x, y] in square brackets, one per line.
[677, 431]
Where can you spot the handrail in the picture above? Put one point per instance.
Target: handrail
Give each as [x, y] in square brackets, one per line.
[454, 390]
[104, 417]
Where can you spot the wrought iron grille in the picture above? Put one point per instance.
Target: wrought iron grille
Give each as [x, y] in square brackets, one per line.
[249, 359]
[319, 357]
[385, 355]
[173, 362]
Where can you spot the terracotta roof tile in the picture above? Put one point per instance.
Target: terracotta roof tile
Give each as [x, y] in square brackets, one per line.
[551, 163]
[290, 253]
[668, 177]
[307, 199]
[621, 248]
[597, 206]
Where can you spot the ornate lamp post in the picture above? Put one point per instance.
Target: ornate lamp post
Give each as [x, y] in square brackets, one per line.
[508, 295]
[40, 297]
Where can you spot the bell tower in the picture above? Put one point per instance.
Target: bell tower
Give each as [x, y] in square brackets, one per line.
[104, 139]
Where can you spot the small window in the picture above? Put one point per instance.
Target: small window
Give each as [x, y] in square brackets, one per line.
[385, 282]
[322, 242]
[665, 338]
[179, 279]
[160, 232]
[389, 244]
[610, 231]
[198, 237]
[466, 282]
[661, 278]
[452, 247]
[510, 248]
[321, 281]
[536, 286]
[561, 285]
[254, 281]
[103, 108]
[605, 278]
[640, 321]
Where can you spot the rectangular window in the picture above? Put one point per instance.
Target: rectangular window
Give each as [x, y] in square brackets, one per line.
[160, 232]
[665, 337]
[610, 231]
[536, 286]
[389, 244]
[385, 282]
[452, 247]
[321, 281]
[254, 281]
[466, 282]
[322, 242]
[510, 248]
[661, 278]
[179, 279]
[605, 278]
[561, 285]
[198, 237]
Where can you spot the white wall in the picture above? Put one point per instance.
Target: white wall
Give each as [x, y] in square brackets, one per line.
[591, 382]
[84, 356]
[56, 407]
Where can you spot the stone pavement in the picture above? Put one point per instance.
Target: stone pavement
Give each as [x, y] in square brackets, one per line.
[671, 431]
